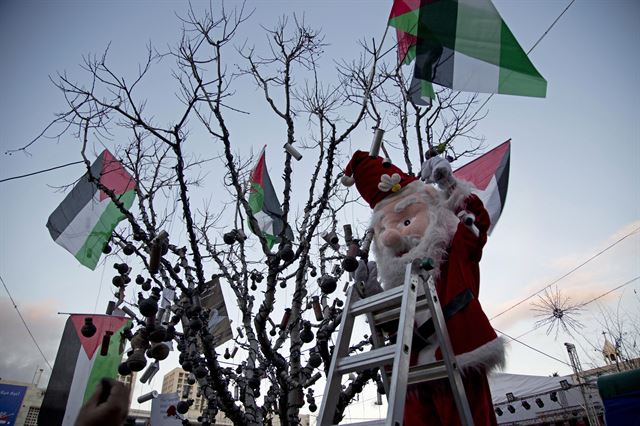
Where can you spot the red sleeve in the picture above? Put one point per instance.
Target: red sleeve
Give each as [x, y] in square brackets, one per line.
[465, 237]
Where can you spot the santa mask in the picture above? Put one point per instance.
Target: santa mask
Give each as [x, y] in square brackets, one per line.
[410, 225]
[409, 219]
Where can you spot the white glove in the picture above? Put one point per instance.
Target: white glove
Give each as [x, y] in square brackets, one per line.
[368, 273]
[437, 170]
[434, 169]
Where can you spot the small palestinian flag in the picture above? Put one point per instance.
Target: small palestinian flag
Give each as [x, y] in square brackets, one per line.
[404, 18]
[489, 173]
[265, 205]
[465, 45]
[404, 14]
[79, 367]
[84, 221]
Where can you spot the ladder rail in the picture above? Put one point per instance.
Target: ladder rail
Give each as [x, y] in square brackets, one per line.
[340, 350]
[448, 356]
[384, 306]
[377, 340]
[400, 371]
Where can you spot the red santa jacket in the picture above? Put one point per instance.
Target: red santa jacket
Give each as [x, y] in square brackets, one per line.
[474, 340]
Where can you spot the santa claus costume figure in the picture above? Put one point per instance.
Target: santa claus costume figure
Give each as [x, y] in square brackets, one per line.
[412, 219]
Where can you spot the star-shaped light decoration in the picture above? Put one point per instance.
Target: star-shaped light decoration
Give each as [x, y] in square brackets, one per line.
[557, 312]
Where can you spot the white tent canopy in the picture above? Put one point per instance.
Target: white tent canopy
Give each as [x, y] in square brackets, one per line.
[522, 386]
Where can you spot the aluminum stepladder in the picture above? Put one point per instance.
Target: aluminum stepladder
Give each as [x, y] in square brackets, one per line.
[399, 303]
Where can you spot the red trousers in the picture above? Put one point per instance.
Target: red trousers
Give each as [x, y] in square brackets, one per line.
[432, 403]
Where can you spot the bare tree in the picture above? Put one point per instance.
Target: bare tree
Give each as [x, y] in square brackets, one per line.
[621, 329]
[318, 115]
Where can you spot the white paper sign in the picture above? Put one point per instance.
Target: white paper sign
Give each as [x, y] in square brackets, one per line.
[163, 410]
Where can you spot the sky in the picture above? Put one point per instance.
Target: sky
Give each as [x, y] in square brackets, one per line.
[574, 179]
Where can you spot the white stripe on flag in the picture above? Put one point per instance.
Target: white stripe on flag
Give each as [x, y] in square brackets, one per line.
[478, 30]
[474, 75]
[75, 235]
[78, 387]
[265, 222]
[491, 199]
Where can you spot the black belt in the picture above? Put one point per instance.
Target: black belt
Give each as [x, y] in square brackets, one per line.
[459, 302]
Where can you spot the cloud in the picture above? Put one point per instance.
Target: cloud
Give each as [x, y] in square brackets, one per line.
[19, 357]
[601, 275]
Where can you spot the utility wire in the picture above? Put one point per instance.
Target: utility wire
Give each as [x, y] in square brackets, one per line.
[532, 348]
[40, 171]
[581, 305]
[567, 274]
[610, 291]
[25, 323]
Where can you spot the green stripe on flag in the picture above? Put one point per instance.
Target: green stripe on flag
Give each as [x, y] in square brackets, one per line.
[518, 76]
[256, 197]
[407, 22]
[91, 250]
[105, 365]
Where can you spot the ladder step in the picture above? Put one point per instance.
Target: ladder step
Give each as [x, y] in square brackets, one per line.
[365, 360]
[427, 372]
[393, 314]
[377, 302]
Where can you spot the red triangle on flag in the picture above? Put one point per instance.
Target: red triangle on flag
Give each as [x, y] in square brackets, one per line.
[258, 171]
[400, 7]
[114, 176]
[480, 171]
[103, 324]
[489, 174]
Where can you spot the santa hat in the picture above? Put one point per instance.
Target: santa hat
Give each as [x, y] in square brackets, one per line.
[375, 178]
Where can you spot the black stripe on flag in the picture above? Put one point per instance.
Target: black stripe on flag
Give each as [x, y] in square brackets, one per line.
[55, 398]
[75, 201]
[502, 174]
[437, 25]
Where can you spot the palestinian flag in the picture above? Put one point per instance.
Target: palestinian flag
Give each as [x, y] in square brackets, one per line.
[79, 367]
[265, 205]
[465, 45]
[84, 221]
[489, 174]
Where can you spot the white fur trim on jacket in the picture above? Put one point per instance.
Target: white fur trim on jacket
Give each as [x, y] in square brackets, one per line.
[489, 356]
[457, 197]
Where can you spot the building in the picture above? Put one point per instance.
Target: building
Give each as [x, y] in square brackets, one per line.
[176, 381]
[28, 398]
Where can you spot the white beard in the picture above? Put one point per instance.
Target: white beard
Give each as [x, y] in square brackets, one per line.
[434, 244]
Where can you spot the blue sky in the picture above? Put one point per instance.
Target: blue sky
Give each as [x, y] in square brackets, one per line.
[574, 169]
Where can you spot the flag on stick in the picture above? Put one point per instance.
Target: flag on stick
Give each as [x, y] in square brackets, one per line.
[404, 18]
[79, 367]
[465, 45]
[265, 205]
[489, 173]
[84, 221]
